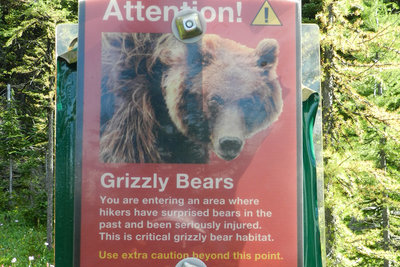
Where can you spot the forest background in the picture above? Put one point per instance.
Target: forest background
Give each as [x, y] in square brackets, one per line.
[360, 74]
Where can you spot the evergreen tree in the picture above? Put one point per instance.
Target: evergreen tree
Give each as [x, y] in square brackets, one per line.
[360, 49]
[27, 62]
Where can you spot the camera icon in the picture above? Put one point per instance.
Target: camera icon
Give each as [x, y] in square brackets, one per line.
[189, 25]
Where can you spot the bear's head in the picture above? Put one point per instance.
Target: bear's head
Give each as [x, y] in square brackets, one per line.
[220, 92]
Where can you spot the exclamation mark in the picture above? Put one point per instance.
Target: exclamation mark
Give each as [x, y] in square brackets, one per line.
[266, 14]
[239, 12]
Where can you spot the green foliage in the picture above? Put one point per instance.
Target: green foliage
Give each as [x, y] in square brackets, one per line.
[27, 38]
[27, 62]
[360, 62]
[20, 241]
[11, 136]
[310, 8]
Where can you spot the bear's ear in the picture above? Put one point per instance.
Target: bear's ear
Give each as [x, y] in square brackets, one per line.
[267, 52]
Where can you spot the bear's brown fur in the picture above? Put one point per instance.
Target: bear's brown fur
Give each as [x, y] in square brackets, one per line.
[173, 102]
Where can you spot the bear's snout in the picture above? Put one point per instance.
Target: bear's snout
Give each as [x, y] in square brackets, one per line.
[228, 132]
[230, 147]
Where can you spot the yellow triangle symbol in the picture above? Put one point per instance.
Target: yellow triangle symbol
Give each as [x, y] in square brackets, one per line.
[266, 16]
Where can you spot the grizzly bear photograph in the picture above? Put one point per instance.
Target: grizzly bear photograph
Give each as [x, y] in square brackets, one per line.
[164, 101]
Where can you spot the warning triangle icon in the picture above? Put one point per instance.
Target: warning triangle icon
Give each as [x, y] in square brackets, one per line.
[266, 16]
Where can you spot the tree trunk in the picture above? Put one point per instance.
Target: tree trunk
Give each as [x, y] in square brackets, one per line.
[329, 231]
[11, 177]
[386, 233]
[50, 176]
[328, 82]
[385, 208]
[11, 161]
[327, 92]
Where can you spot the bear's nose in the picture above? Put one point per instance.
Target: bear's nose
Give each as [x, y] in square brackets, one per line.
[230, 146]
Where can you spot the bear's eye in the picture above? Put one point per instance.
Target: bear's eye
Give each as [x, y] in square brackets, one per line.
[215, 103]
[264, 64]
[207, 59]
[216, 100]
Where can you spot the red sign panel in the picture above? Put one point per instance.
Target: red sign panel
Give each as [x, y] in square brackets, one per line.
[189, 150]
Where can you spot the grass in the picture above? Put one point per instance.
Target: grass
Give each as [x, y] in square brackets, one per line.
[23, 245]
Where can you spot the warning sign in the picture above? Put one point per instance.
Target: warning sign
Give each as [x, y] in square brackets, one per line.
[188, 150]
[266, 16]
